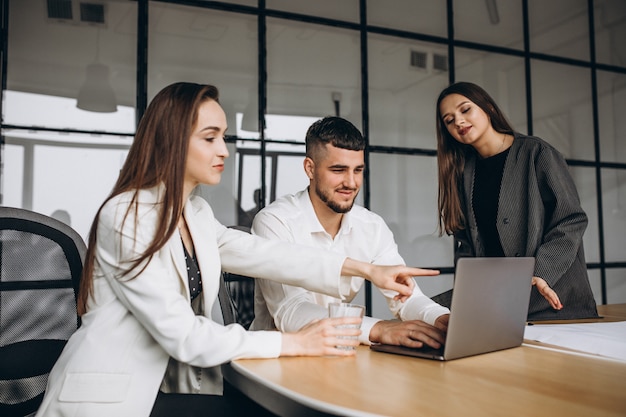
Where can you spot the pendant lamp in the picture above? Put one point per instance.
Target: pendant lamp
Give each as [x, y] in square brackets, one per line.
[96, 93]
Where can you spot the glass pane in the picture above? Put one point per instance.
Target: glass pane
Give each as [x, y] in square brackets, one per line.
[42, 111]
[46, 165]
[489, 22]
[12, 167]
[559, 27]
[610, 31]
[404, 193]
[562, 111]
[611, 120]
[286, 127]
[288, 176]
[405, 78]
[248, 182]
[585, 180]
[207, 47]
[307, 78]
[347, 10]
[615, 285]
[614, 213]
[424, 16]
[502, 76]
[70, 55]
[409, 208]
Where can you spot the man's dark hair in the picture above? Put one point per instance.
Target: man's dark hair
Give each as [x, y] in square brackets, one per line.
[337, 131]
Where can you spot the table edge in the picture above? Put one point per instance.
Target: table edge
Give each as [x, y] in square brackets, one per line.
[321, 407]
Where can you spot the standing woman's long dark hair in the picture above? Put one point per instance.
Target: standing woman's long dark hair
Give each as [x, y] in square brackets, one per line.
[451, 154]
[157, 156]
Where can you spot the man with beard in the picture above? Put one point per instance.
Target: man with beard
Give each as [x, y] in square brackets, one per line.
[324, 215]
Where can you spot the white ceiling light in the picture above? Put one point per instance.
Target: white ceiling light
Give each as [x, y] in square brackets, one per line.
[96, 93]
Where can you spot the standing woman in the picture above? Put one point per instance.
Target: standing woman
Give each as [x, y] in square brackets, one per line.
[152, 272]
[502, 193]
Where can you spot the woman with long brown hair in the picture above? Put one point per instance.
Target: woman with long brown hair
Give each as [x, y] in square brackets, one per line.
[502, 193]
[152, 271]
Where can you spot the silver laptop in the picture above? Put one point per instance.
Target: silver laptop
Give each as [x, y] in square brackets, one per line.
[488, 312]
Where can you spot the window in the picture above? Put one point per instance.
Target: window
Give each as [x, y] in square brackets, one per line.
[282, 65]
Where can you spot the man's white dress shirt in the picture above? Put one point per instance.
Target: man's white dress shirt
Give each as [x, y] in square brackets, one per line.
[363, 236]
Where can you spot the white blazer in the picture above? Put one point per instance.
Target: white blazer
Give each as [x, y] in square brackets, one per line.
[114, 363]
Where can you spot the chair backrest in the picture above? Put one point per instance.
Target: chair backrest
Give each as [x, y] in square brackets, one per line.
[41, 261]
[237, 296]
[240, 307]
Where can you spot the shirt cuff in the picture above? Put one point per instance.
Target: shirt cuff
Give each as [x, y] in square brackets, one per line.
[366, 328]
[426, 310]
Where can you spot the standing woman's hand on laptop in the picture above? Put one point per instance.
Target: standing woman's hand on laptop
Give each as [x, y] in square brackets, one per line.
[547, 292]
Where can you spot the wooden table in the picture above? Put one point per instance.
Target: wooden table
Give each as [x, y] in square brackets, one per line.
[523, 381]
[613, 312]
[608, 313]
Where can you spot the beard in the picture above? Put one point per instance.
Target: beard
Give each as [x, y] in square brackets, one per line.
[333, 205]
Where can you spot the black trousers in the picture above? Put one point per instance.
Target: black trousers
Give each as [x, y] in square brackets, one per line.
[232, 403]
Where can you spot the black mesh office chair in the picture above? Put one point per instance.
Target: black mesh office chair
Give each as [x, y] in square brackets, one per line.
[237, 296]
[41, 260]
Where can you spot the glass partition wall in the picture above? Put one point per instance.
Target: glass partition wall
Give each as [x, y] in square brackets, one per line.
[77, 75]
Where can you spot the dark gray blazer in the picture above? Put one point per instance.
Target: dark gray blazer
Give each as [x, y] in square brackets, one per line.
[539, 214]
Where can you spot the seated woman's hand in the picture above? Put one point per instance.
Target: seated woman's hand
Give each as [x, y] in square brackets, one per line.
[322, 337]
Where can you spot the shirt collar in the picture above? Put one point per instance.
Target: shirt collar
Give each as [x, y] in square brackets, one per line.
[314, 223]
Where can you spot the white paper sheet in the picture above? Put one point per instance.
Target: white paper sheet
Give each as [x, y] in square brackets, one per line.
[605, 339]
